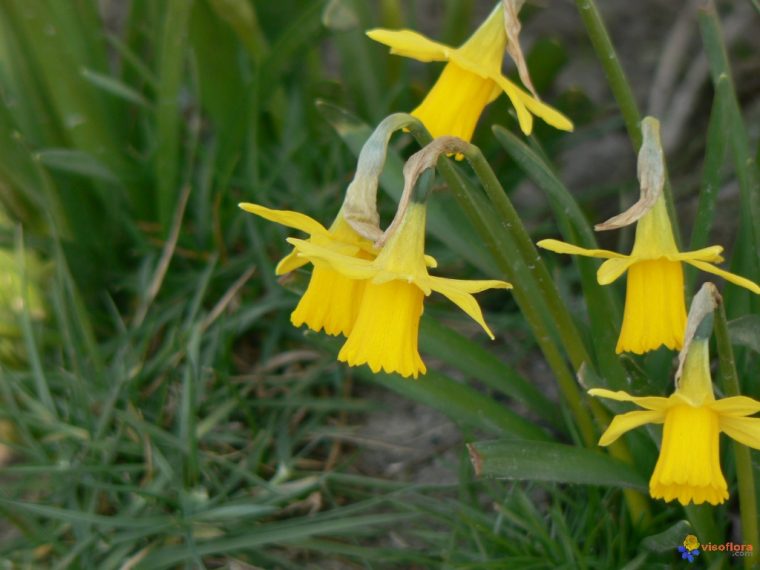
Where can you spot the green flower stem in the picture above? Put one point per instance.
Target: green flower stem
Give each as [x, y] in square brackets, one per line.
[621, 89]
[744, 473]
[517, 260]
[637, 503]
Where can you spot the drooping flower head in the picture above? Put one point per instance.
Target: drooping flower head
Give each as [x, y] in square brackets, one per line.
[471, 79]
[655, 310]
[331, 300]
[384, 335]
[688, 468]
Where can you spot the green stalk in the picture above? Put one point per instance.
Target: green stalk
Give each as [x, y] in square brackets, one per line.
[621, 89]
[519, 262]
[746, 167]
[744, 473]
[569, 334]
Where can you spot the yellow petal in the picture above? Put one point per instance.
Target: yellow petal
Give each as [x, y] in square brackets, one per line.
[524, 118]
[290, 262]
[647, 402]
[352, 267]
[562, 247]
[385, 332]
[288, 218]
[408, 43]
[743, 430]
[655, 307]
[626, 422]
[549, 114]
[735, 279]
[459, 293]
[688, 468]
[613, 268]
[331, 302]
[736, 406]
[711, 254]
[454, 103]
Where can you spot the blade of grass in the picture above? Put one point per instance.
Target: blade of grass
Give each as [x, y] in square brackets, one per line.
[745, 166]
[544, 461]
[744, 470]
[474, 360]
[171, 66]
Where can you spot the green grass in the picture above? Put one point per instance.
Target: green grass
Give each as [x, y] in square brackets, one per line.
[165, 413]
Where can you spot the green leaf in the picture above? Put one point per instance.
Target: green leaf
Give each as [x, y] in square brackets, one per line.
[747, 258]
[476, 362]
[670, 539]
[76, 162]
[555, 462]
[461, 403]
[745, 331]
[604, 310]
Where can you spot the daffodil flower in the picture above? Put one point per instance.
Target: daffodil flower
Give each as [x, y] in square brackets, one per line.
[688, 468]
[384, 334]
[655, 310]
[471, 79]
[331, 300]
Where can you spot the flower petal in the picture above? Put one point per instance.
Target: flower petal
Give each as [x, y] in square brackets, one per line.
[728, 276]
[288, 218]
[407, 43]
[613, 268]
[513, 92]
[647, 402]
[290, 262]
[743, 430]
[736, 406]
[562, 247]
[352, 267]
[459, 292]
[626, 422]
[549, 114]
[710, 254]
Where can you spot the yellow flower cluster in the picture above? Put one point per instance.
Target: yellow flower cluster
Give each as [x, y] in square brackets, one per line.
[372, 291]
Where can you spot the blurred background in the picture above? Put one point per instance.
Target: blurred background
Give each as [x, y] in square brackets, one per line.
[157, 409]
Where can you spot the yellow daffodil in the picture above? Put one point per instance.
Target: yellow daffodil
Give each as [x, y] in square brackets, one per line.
[471, 79]
[655, 311]
[688, 468]
[384, 334]
[331, 300]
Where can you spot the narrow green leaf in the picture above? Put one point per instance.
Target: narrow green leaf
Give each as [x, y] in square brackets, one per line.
[745, 331]
[604, 310]
[76, 162]
[288, 532]
[748, 245]
[556, 462]
[460, 403]
[669, 539]
[477, 362]
[114, 87]
[169, 116]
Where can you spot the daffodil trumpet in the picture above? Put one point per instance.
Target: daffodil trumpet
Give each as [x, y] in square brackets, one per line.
[331, 300]
[655, 310]
[472, 77]
[688, 467]
[385, 332]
